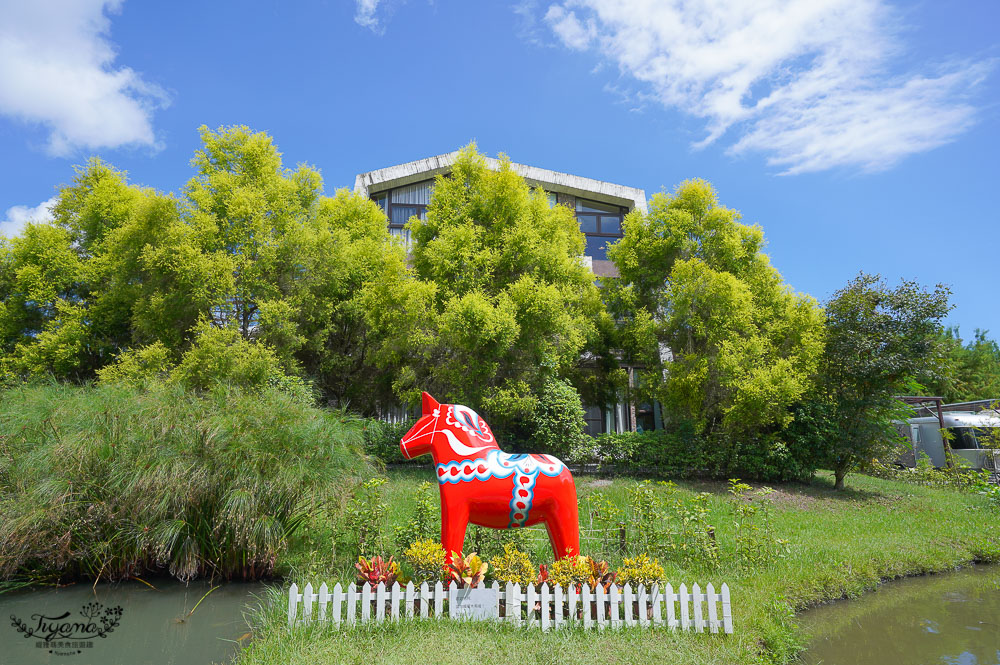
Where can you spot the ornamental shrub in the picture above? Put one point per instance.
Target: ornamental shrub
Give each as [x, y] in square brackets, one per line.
[425, 559]
[513, 566]
[640, 570]
[569, 570]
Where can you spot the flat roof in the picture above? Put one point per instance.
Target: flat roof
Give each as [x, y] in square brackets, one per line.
[552, 181]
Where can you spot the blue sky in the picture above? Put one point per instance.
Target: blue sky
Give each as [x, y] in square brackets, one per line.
[860, 134]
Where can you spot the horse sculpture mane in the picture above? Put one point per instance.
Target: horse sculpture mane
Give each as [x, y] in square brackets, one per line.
[480, 483]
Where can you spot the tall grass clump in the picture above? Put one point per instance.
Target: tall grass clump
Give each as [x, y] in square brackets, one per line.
[110, 481]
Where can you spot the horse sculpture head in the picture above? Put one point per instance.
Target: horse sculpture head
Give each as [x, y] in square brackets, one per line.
[448, 432]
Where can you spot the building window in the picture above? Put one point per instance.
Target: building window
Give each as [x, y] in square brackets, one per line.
[594, 419]
[402, 203]
[601, 223]
[604, 419]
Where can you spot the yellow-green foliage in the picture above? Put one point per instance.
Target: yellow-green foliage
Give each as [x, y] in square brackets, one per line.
[640, 570]
[513, 566]
[570, 570]
[426, 560]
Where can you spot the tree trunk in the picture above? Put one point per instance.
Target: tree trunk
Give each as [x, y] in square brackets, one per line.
[839, 473]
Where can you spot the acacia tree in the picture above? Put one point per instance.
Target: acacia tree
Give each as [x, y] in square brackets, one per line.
[724, 343]
[879, 340]
[502, 303]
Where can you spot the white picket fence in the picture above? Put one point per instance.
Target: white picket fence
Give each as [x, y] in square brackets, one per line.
[543, 607]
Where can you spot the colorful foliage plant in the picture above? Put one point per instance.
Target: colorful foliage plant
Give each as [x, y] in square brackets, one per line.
[466, 571]
[377, 570]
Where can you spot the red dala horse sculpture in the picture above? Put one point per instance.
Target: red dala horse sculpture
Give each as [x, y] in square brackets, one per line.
[481, 484]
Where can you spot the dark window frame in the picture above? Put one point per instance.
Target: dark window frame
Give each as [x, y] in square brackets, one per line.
[421, 208]
[619, 217]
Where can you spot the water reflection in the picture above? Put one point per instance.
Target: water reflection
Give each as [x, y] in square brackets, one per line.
[946, 618]
[157, 627]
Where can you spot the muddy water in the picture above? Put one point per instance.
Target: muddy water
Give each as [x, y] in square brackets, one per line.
[949, 618]
[155, 627]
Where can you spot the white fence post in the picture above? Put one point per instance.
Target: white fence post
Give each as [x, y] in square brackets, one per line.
[557, 606]
[496, 590]
[366, 603]
[307, 603]
[713, 616]
[727, 612]
[293, 603]
[529, 613]
[338, 598]
[683, 598]
[438, 600]
[657, 613]
[512, 605]
[425, 600]
[627, 593]
[544, 608]
[585, 598]
[671, 615]
[352, 602]
[324, 598]
[599, 601]
[409, 600]
[394, 601]
[380, 603]
[699, 621]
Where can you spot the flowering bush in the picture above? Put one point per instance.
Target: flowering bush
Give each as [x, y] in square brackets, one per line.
[640, 570]
[513, 566]
[426, 559]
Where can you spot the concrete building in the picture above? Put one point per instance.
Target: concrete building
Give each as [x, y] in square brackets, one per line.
[404, 191]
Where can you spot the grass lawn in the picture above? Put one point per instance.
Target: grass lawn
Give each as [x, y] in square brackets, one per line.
[841, 544]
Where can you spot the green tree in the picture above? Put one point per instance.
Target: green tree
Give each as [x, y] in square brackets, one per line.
[879, 340]
[724, 343]
[972, 369]
[250, 247]
[502, 301]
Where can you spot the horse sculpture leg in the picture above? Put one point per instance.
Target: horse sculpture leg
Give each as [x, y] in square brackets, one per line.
[454, 522]
[564, 528]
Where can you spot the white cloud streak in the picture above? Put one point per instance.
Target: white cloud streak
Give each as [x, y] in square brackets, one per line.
[57, 70]
[18, 216]
[808, 83]
[365, 14]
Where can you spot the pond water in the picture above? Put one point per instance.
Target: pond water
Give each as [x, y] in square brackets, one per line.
[155, 627]
[949, 618]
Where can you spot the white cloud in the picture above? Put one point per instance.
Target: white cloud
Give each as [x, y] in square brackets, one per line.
[18, 216]
[570, 29]
[364, 14]
[807, 82]
[57, 69]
